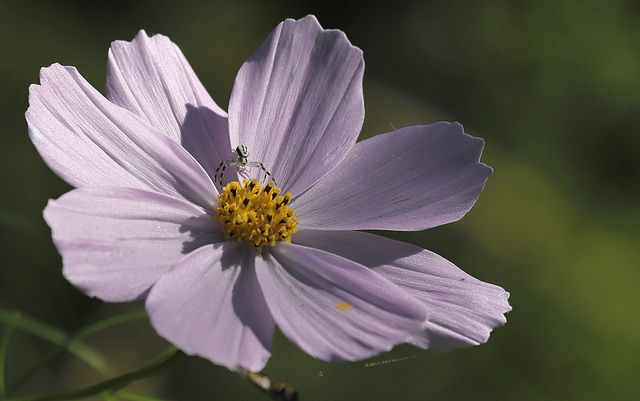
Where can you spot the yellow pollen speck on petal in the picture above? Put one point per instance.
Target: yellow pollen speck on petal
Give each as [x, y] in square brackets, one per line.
[255, 214]
[343, 306]
[303, 304]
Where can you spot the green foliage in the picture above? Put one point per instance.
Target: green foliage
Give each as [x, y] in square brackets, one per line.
[108, 389]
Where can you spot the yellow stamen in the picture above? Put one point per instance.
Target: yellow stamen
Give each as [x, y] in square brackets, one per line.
[259, 216]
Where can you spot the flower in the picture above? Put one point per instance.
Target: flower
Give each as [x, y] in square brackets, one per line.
[176, 202]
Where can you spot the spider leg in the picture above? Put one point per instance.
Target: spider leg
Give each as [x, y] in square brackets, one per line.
[266, 172]
[222, 166]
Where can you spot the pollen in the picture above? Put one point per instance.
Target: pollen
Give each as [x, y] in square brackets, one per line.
[255, 214]
[343, 306]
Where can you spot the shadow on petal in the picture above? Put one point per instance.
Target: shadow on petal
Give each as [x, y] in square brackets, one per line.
[205, 134]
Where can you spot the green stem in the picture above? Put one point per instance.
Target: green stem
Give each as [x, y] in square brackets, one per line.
[72, 339]
[162, 363]
[56, 336]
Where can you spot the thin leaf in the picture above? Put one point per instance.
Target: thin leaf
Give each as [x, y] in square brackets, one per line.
[158, 365]
[4, 341]
[60, 338]
[108, 395]
[127, 395]
[110, 321]
[15, 220]
[97, 326]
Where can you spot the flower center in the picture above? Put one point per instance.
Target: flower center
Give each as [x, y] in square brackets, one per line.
[259, 216]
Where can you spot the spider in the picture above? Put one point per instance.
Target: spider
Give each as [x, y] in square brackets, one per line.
[241, 161]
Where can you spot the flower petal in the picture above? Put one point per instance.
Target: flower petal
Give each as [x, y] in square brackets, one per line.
[211, 305]
[410, 179]
[297, 103]
[116, 242]
[89, 141]
[335, 309]
[150, 77]
[463, 310]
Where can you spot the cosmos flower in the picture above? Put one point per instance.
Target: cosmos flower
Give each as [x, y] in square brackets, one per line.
[230, 224]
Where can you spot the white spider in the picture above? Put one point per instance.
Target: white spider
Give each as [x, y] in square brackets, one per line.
[240, 161]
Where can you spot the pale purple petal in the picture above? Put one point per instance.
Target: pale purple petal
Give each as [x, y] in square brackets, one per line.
[463, 310]
[116, 242]
[150, 77]
[211, 305]
[335, 309]
[89, 141]
[410, 179]
[297, 103]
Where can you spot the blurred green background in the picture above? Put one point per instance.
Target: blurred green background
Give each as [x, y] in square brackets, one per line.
[552, 86]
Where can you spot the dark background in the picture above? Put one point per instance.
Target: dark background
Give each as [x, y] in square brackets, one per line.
[552, 86]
